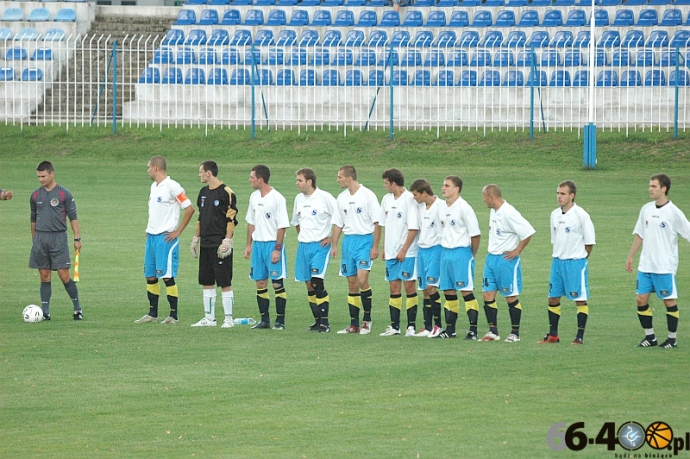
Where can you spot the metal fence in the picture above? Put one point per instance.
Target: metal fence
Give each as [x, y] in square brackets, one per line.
[143, 81]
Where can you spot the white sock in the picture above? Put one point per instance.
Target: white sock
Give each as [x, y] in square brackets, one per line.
[228, 302]
[210, 303]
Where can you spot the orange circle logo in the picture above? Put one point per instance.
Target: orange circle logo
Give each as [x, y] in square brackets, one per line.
[659, 435]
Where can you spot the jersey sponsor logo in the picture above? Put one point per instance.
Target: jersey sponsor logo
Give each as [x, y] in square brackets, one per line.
[460, 284]
[54, 202]
[431, 280]
[363, 263]
[275, 273]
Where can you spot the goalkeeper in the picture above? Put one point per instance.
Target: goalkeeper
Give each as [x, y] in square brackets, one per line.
[212, 243]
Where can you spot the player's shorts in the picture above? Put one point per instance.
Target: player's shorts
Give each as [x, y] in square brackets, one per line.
[504, 276]
[428, 266]
[161, 258]
[311, 261]
[50, 251]
[663, 284]
[261, 267]
[569, 278]
[356, 253]
[405, 270]
[214, 270]
[457, 269]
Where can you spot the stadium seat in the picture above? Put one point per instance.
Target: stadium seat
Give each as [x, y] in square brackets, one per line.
[217, 76]
[42, 54]
[645, 58]
[621, 58]
[285, 77]
[185, 55]
[562, 39]
[185, 17]
[377, 38]
[516, 39]
[529, 18]
[609, 2]
[413, 18]
[576, 18]
[240, 77]
[445, 39]
[5, 33]
[390, 19]
[264, 2]
[366, 57]
[242, 37]
[208, 17]
[525, 58]
[150, 75]
[172, 75]
[309, 2]
[607, 78]
[375, 78]
[367, 18]
[480, 58]
[468, 78]
[27, 34]
[231, 17]
[680, 78]
[514, 78]
[633, 38]
[539, 38]
[307, 77]
[635, 2]
[196, 37]
[263, 77]
[354, 78]
[425, 3]
[623, 18]
[321, 56]
[6, 74]
[505, 18]
[581, 78]
[540, 3]
[299, 18]
[490, 78]
[550, 58]
[610, 39]
[208, 56]
[449, 3]
[601, 18]
[252, 56]
[330, 77]
[399, 78]
[343, 56]
[164, 55]
[344, 18]
[39, 15]
[354, 38]
[492, 39]
[219, 37]
[445, 78]
[573, 58]
[276, 18]
[655, 78]
[435, 58]
[241, 2]
[563, 2]
[504, 58]
[647, 18]
[400, 38]
[16, 54]
[552, 18]
[494, 3]
[264, 37]
[298, 56]
[436, 19]
[66, 15]
[680, 38]
[219, 2]
[322, 18]
[669, 58]
[12, 14]
[468, 39]
[389, 57]
[457, 58]
[600, 57]
[276, 56]
[560, 78]
[659, 2]
[54, 35]
[333, 2]
[516, 3]
[459, 18]
[537, 79]
[286, 37]
[412, 58]
[423, 39]
[657, 39]
[332, 37]
[482, 18]
[582, 39]
[254, 17]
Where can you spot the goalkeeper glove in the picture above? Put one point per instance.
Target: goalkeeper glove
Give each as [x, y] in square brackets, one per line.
[225, 248]
[195, 246]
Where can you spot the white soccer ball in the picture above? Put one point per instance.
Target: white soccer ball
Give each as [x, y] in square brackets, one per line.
[32, 313]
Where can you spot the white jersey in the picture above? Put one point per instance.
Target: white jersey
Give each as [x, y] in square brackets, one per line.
[268, 214]
[459, 224]
[357, 213]
[659, 229]
[571, 232]
[429, 224]
[398, 216]
[165, 201]
[313, 215]
[507, 227]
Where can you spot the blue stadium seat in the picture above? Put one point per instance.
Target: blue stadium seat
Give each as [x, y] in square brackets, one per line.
[516, 39]
[298, 56]
[219, 37]
[573, 58]
[514, 78]
[400, 78]
[185, 55]
[539, 38]
[459, 18]
[285, 77]
[389, 57]
[457, 58]
[582, 39]
[623, 18]
[482, 18]
[242, 2]
[494, 3]
[172, 75]
[610, 39]
[150, 75]
[219, 2]
[29, 34]
[445, 39]
[492, 39]
[42, 54]
[468, 78]
[655, 78]
[525, 58]
[307, 77]
[607, 78]
[390, 19]
[276, 56]
[600, 57]
[687, 21]
[609, 2]
[344, 56]
[562, 39]
[445, 78]
[309, 2]
[680, 78]
[195, 75]
[505, 18]
[264, 37]
[354, 38]
[425, 3]
[659, 2]
[550, 58]
[669, 58]
[185, 17]
[332, 37]
[412, 58]
[657, 39]
[421, 78]
[241, 37]
[321, 56]
[299, 18]
[581, 78]
[263, 77]
[39, 15]
[240, 77]
[563, 2]
[400, 38]
[276, 18]
[413, 18]
[5, 33]
[231, 17]
[480, 58]
[490, 78]
[252, 56]
[254, 17]
[344, 18]
[230, 56]
[12, 14]
[436, 18]
[196, 37]
[208, 56]
[6, 74]
[423, 39]
[537, 79]
[645, 58]
[504, 58]
[366, 57]
[375, 78]
[529, 18]
[16, 54]
[680, 38]
[633, 38]
[377, 38]
[468, 39]
[333, 2]
[560, 78]
[330, 77]
[601, 18]
[648, 18]
[552, 18]
[621, 58]
[540, 3]
[66, 15]
[435, 58]
[322, 18]
[208, 17]
[286, 37]
[367, 18]
[217, 76]
[354, 78]
[448, 3]
[264, 2]
[516, 3]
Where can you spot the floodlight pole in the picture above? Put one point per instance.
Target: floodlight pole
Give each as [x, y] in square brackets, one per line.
[590, 140]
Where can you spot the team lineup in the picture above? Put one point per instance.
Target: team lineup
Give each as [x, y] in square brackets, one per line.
[428, 245]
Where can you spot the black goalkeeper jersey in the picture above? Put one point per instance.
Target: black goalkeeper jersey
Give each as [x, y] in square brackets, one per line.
[217, 209]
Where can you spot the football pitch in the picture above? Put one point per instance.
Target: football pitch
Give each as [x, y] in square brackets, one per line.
[105, 387]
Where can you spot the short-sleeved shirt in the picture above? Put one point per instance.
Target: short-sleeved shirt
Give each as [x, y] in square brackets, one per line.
[659, 228]
[50, 209]
[217, 212]
[429, 224]
[571, 232]
[165, 201]
[357, 213]
[398, 216]
[459, 224]
[268, 214]
[507, 227]
[313, 214]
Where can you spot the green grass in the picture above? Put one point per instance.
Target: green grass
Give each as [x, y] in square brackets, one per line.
[108, 388]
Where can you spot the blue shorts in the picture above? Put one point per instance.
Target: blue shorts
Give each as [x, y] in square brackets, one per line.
[311, 261]
[428, 267]
[356, 253]
[261, 267]
[405, 271]
[663, 284]
[161, 258]
[457, 269]
[569, 278]
[504, 276]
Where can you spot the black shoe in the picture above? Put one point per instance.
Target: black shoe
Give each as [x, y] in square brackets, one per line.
[314, 327]
[470, 336]
[46, 317]
[445, 334]
[668, 344]
[279, 326]
[78, 315]
[648, 343]
[324, 328]
[261, 325]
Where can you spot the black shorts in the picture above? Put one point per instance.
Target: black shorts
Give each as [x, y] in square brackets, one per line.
[50, 251]
[213, 270]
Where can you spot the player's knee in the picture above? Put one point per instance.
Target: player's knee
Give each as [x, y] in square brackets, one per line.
[278, 284]
[169, 282]
[317, 285]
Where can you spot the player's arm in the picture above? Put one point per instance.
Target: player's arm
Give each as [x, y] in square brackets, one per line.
[75, 229]
[637, 243]
[186, 218]
[278, 249]
[377, 239]
[248, 247]
[588, 249]
[33, 216]
[474, 243]
[518, 250]
[337, 230]
[411, 234]
[231, 215]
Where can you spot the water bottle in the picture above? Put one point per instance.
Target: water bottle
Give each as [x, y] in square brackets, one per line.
[244, 321]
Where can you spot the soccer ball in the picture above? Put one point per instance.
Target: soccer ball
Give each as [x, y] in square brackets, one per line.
[32, 313]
